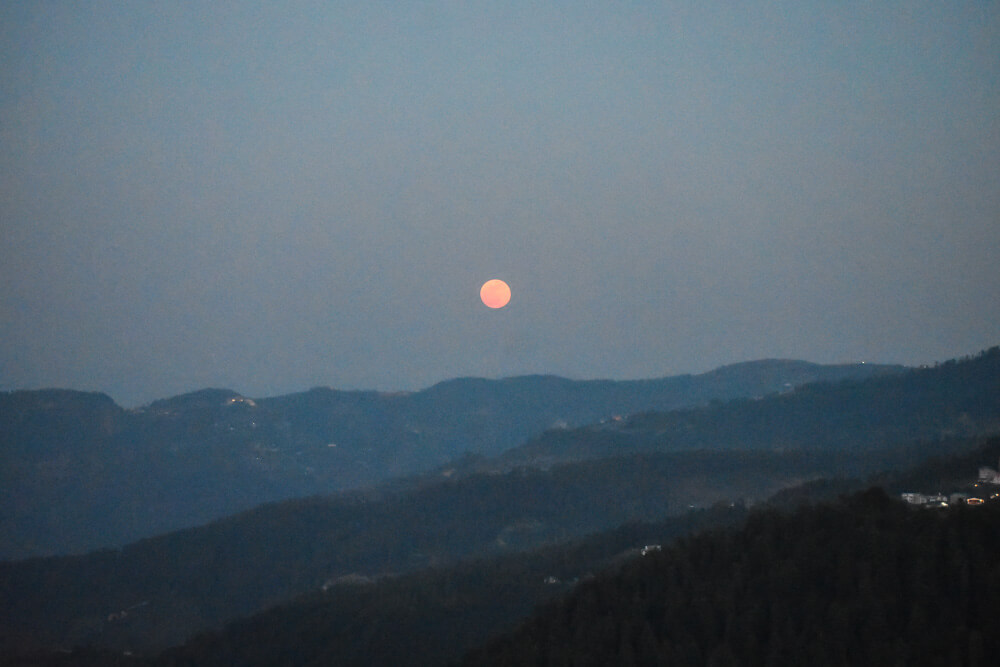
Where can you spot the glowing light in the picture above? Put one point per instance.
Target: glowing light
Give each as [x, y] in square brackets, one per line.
[495, 293]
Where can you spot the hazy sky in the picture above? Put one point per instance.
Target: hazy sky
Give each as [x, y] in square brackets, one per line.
[274, 196]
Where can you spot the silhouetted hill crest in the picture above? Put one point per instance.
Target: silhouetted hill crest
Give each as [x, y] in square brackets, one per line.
[955, 398]
[197, 456]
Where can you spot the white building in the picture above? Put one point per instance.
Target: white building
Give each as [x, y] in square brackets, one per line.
[989, 475]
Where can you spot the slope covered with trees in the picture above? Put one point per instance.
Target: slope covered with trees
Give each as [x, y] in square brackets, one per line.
[182, 582]
[867, 581]
[78, 472]
[156, 592]
[953, 398]
[200, 578]
[433, 616]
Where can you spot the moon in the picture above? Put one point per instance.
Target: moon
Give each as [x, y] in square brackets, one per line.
[495, 293]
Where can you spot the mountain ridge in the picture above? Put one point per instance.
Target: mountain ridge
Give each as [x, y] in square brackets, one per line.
[70, 460]
[274, 551]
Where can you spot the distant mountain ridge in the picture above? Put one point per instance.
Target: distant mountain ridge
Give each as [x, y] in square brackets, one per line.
[951, 399]
[200, 577]
[71, 462]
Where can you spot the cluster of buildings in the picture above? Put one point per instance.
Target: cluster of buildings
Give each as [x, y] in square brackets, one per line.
[987, 477]
[940, 500]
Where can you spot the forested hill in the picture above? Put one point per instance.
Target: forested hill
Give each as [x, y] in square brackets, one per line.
[200, 577]
[78, 472]
[954, 398]
[867, 581]
[432, 617]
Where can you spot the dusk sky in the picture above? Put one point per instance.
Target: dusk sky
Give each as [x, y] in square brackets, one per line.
[274, 196]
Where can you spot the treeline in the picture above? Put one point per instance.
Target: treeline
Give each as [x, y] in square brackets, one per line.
[430, 617]
[202, 577]
[777, 565]
[867, 581]
[79, 473]
[433, 616]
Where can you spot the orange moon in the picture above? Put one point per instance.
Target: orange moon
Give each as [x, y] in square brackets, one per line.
[495, 293]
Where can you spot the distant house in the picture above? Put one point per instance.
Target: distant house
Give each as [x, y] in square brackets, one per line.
[240, 399]
[989, 475]
[937, 500]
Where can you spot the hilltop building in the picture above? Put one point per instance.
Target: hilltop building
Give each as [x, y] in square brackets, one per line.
[937, 500]
[989, 475]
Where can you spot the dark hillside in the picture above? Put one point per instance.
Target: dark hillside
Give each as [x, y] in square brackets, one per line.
[432, 616]
[198, 578]
[79, 473]
[428, 617]
[867, 581]
[952, 399]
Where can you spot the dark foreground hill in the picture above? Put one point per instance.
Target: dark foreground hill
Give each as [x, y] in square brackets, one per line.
[78, 472]
[867, 581]
[429, 618]
[434, 616]
[174, 585]
[199, 578]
